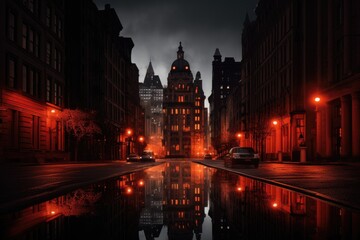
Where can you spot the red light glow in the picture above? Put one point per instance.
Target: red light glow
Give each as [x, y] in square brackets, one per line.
[317, 99]
[53, 111]
[129, 190]
[128, 131]
[274, 205]
[275, 122]
[141, 183]
[239, 189]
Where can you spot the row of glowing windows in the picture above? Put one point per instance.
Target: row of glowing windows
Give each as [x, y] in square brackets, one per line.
[175, 127]
[179, 111]
[179, 202]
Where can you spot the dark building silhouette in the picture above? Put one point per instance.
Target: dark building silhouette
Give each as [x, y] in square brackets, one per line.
[183, 110]
[294, 52]
[31, 80]
[225, 77]
[151, 96]
[100, 77]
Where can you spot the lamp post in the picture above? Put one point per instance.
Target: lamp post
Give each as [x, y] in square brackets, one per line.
[141, 141]
[317, 127]
[238, 135]
[279, 136]
[129, 133]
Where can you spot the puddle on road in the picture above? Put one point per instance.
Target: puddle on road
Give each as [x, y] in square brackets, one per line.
[181, 200]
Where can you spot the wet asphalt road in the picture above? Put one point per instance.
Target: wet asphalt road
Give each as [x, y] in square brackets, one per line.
[24, 184]
[337, 183]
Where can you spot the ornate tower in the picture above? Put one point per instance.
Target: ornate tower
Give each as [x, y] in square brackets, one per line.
[183, 110]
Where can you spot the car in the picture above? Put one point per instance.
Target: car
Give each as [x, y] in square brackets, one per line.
[147, 155]
[208, 156]
[132, 157]
[242, 155]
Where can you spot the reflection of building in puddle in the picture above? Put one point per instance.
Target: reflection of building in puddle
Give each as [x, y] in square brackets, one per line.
[241, 207]
[151, 216]
[184, 199]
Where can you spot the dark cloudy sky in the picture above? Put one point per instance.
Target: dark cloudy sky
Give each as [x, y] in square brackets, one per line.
[157, 27]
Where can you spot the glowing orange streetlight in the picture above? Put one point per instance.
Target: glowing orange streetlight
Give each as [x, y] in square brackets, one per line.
[275, 123]
[129, 131]
[238, 135]
[129, 190]
[317, 99]
[141, 139]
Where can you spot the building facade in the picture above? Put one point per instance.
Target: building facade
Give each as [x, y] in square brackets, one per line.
[151, 96]
[31, 80]
[226, 76]
[100, 77]
[293, 53]
[183, 110]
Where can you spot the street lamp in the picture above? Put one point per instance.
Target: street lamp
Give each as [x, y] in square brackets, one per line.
[238, 135]
[141, 140]
[317, 126]
[129, 133]
[278, 136]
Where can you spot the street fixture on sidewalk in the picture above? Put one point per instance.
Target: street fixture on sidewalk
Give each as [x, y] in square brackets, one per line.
[141, 140]
[317, 127]
[280, 153]
[129, 133]
[238, 135]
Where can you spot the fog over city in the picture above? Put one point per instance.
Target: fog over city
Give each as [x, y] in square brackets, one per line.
[157, 27]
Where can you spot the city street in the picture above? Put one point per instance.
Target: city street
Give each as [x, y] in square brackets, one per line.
[22, 184]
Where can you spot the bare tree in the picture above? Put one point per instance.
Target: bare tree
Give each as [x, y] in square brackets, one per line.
[260, 130]
[79, 124]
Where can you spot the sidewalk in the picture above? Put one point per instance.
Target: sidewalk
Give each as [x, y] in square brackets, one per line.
[335, 182]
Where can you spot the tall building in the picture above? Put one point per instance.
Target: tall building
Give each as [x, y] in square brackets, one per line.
[293, 53]
[151, 96]
[183, 109]
[31, 80]
[226, 76]
[102, 78]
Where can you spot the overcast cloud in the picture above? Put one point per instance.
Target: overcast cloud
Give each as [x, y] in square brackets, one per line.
[157, 27]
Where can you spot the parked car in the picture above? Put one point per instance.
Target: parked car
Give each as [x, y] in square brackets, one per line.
[208, 156]
[147, 155]
[132, 157]
[242, 155]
